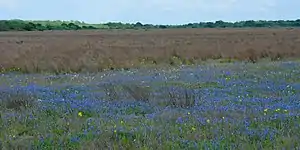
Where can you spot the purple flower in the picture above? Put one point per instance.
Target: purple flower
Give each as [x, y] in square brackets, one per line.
[75, 139]
[179, 120]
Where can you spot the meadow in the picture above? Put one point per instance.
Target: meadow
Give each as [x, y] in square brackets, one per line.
[208, 106]
[184, 103]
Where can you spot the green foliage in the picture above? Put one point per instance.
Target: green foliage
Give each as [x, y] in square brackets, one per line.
[20, 25]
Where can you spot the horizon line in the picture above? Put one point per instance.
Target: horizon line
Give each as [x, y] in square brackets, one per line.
[84, 22]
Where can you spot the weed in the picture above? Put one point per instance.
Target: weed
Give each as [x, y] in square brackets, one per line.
[17, 100]
[139, 93]
[182, 98]
[110, 91]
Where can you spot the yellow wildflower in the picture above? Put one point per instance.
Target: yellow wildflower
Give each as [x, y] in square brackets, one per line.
[193, 128]
[80, 114]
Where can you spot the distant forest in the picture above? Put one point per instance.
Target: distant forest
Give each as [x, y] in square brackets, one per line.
[21, 25]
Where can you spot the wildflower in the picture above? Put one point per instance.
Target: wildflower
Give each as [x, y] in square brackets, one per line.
[285, 110]
[193, 129]
[80, 114]
[122, 122]
[189, 113]
[208, 121]
[265, 110]
[277, 110]
[223, 117]
[179, 120]
[75, 139]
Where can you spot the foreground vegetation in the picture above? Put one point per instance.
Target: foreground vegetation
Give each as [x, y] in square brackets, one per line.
[211, 106]
[20, 25]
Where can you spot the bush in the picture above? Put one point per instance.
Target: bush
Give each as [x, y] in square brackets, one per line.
[16, 100]
[139, 93]
[181, 98]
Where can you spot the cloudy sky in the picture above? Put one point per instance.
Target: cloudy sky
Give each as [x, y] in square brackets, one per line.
[150, 11]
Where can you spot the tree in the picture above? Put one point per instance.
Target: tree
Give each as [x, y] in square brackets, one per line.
[73, 26]
[209, 25]
[249, 23]
[65, 26]
[88, 27]
[40, 27]
[4, 26]
[162, 26]
[220, 23]
[297, 23]
[30, 26]
[138, 25]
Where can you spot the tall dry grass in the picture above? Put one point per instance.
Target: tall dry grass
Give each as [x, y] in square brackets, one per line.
[76, 51]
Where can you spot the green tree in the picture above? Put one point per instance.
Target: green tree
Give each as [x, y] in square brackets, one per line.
[30, 26]
[138, 25]
[4, 26]
[209, 25]
[73, 26]
[220, 24]
[40, 27]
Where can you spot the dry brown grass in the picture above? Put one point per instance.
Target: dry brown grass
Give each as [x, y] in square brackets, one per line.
[97, 50]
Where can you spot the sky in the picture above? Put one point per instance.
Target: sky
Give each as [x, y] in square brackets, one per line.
[150, 11]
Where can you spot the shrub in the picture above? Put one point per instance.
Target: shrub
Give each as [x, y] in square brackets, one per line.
[110, 91]
[182, 98]
[139, 93]
[16, 100]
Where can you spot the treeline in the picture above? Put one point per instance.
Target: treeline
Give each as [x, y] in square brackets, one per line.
[20, 25]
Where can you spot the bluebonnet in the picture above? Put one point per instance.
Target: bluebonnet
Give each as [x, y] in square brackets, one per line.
[239, 96]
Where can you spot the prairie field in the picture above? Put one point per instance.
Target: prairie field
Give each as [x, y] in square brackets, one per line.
[153, 89]
[97, 50]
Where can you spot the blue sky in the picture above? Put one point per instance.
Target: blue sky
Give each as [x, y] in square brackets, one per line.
[150, 11]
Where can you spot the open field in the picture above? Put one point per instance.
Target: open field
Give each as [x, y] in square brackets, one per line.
[210, 106]
[184, 103]
[75, 51]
